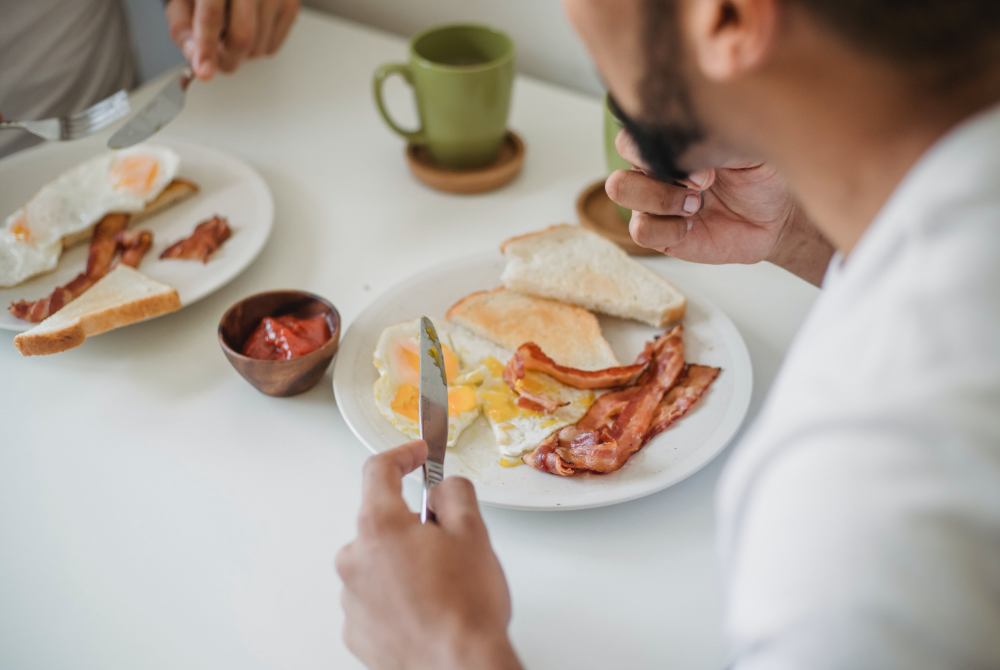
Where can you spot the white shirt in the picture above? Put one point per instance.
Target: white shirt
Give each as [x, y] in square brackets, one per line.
[59, 57]
[859, 522]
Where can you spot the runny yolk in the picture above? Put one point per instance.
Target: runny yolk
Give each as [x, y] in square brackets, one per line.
[413, 359]
[20, 230]
[135, 174]
[407, 401]
[461, 399]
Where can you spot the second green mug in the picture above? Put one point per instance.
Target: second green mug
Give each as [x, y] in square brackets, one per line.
[612, 126]
[462, 76]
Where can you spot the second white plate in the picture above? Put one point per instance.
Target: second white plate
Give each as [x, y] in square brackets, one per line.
[710, 339]
[229, 188]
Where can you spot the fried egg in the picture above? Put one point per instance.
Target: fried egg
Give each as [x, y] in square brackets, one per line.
[516, 430]
[121, 181]
[397, 391]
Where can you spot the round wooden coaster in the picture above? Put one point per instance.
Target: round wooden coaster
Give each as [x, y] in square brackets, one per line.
[598, 213]
[500, 173]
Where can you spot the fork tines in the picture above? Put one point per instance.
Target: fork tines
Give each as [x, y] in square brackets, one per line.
[94, 118]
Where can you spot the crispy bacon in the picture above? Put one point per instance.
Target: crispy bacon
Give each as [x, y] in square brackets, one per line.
[529, 356]
[598, 447]
[206, 238]
[679, 399]
[133, 244]
[102, 251]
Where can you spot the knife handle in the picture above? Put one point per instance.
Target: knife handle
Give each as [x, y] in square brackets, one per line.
[426, 513]
[433, 474]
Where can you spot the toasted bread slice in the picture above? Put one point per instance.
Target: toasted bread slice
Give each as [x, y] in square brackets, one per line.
[574, 265]
[121, 297]
[570, 335]
[175, 191]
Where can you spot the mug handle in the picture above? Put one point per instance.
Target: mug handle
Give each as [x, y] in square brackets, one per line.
[381, 74]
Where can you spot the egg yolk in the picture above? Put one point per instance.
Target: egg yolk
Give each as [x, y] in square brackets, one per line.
[407, 401]
[135, 174]
[20, 230]
[408, 364]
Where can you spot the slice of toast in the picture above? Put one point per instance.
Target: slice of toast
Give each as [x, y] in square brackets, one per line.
[121, 297]
[570, 335]
[175, 191]
[574, 265]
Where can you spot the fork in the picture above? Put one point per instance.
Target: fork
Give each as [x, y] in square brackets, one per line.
[78, 125]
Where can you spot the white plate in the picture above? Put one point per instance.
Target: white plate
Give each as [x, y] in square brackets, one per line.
[710, 338]
[229, 188]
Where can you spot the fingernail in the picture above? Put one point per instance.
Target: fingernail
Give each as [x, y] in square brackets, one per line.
[189, 47]
[699, 177]
[690, 223]
[691, 204]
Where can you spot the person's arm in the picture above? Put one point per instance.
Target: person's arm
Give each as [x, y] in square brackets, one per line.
[744, 214]
[421, 596]
[218, 35]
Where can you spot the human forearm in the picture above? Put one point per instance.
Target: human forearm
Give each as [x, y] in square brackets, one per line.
[802, 250]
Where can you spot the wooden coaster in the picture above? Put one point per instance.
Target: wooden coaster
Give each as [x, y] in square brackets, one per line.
[480, 180]
[598, 213]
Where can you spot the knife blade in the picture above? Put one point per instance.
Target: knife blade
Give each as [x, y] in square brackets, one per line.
[160, 111]
[433, 410]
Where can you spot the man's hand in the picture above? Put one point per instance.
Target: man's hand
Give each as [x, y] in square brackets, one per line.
[218, 34]
[423, 596]
[744, 214]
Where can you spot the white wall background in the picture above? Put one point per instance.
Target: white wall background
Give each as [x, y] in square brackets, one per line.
[547, 47]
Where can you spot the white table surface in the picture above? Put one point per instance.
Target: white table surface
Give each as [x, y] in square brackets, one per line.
[158, 512]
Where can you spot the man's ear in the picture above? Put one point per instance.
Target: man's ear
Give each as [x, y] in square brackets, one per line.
[730, 37]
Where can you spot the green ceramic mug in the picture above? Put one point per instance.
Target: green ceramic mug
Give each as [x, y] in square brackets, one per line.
[612, 125]
[462, 77]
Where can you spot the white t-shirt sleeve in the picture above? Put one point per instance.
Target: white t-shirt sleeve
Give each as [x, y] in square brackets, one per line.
[863, 547]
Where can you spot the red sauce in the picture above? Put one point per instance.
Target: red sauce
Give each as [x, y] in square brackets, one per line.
[286, 337]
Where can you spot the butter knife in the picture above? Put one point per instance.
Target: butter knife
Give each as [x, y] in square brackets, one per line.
[433, 410]
[160, 111]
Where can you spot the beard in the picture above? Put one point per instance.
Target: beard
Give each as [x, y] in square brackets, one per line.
[667, 128]
[662, 145]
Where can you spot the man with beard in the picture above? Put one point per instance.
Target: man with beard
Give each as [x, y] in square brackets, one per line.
[859, 520]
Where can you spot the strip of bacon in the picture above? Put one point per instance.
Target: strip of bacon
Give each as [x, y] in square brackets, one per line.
[679, 399]
[102, 251]
[600, 415]
[203, 242]
[133, 244]
[529, 356]
[599, 448]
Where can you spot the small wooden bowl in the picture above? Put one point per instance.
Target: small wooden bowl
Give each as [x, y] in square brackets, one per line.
[599, 213]
[465, 182]
[281, 378]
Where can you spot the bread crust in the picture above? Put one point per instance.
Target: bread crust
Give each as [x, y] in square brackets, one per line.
[42, 341]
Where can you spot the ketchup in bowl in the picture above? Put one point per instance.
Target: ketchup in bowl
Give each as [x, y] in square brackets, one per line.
[286, 337]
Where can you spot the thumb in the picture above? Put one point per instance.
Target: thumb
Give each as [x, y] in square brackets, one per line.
[456, 507]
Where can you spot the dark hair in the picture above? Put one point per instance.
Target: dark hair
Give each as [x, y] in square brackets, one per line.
[940, 38]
